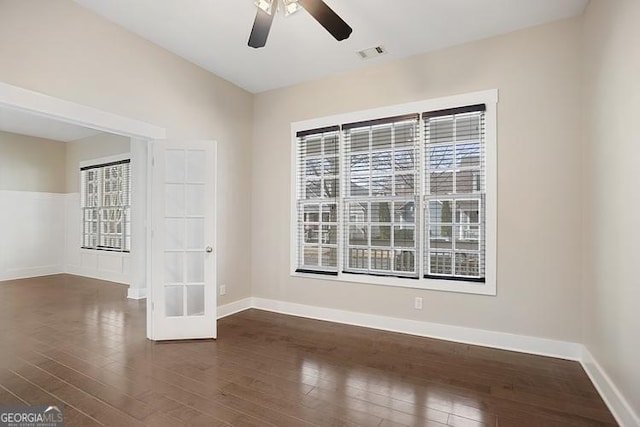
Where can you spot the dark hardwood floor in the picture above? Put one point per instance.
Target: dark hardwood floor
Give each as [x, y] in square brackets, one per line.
[80, 343]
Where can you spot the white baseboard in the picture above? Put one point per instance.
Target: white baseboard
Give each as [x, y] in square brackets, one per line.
[616, 402]
[137, 293]
[234, 307]
[501, 340]
[100, 275]
[25, 273]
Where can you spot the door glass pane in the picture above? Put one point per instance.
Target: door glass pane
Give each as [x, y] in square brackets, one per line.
[174, 300]
[195, 199]
[174, 165]
[174, 233]
[174, 200]
[173, 267]
[196, 166]
[195, 300]
[195, 233]
[195, 267]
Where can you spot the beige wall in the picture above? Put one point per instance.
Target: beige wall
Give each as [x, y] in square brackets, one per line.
[93, 147]
[539, 180]
[612, 202]
[61, 49]
[31, 164]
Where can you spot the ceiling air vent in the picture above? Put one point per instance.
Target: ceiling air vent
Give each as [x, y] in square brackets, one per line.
[372, 52]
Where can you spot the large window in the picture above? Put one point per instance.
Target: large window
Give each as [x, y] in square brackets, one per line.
[105, 204]
[405, 199]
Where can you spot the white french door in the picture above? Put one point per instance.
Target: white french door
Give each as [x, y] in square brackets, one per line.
[183, 251]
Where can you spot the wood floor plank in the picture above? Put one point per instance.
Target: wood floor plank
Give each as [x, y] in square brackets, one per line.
[81, 343]
[30, 394]
[80, 399]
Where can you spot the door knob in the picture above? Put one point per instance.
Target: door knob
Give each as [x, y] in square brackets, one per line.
[208, 249]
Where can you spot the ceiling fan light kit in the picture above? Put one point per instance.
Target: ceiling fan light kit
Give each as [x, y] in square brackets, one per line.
[318, 9]
[291, 7]
[266, 5]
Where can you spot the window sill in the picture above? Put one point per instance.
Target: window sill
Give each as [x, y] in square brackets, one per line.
[103, 252]
[477, 288]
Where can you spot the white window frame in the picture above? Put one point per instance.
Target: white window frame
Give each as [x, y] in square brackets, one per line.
[489, 287]
[97, 162]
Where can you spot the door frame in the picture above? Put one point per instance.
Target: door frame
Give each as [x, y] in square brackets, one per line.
[141, 133]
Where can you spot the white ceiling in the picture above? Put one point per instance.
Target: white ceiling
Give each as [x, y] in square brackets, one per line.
[214, 33]
[23, 123]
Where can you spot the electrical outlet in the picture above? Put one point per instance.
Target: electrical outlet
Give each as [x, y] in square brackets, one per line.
[223, 289]
[417, 303]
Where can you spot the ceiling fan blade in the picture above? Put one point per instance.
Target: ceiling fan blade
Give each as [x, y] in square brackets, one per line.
[261, 27]
[327, 18]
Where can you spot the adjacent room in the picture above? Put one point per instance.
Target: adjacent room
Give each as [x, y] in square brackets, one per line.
[320, 212]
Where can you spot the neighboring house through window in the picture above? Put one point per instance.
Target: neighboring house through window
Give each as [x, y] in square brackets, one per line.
[106, 206]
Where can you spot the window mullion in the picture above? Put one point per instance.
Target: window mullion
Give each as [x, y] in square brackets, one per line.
[341, 200]
[420, 230]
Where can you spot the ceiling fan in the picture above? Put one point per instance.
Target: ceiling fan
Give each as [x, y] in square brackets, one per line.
[322, 13]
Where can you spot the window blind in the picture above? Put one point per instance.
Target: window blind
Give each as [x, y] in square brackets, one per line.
[106, 206]
[381, 173]
[317, 193]
[454, 193]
